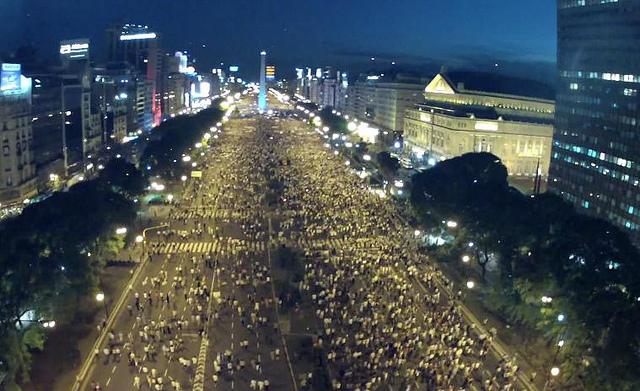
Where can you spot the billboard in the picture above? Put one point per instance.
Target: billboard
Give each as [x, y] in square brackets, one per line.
[10, 77]
[75, 49]
[270, 72]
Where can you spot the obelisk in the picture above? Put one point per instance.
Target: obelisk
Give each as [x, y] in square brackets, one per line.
[262, 97]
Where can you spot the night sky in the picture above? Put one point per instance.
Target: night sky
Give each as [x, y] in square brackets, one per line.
[302, 32]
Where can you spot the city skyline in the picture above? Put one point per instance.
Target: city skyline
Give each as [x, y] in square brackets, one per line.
[296, 34]
[312, 195]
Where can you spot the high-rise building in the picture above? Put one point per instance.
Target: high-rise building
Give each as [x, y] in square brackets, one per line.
[383, 99]
[325, 87]
[17, 165]
[596, 147]
[114, 88]
[139, 46]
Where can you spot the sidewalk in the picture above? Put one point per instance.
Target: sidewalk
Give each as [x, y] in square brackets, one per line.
[56, 366]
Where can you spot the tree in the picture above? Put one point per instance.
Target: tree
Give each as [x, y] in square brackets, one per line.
[387, 163]
[123, 177]
[544, 248]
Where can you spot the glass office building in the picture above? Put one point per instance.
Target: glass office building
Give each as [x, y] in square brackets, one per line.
[596, 147]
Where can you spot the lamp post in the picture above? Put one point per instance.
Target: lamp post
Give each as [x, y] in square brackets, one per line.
[100, 298]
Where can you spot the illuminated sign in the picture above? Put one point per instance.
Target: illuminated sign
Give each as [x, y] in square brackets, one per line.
[234, 68]
[133, 37]
[270, 72]
[10, 77]
[299, 73]
[196, 174]
[75, 49]
[182, 62]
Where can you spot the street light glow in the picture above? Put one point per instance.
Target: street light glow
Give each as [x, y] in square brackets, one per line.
[100, 296]
[555, 371]
[465, 258]
[452, 224]
[139, 239]
[121, 230]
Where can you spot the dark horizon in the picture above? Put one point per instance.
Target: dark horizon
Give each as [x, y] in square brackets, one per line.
[308, 34]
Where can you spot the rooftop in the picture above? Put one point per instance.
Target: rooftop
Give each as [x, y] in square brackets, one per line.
[499, 84]
[478, 112]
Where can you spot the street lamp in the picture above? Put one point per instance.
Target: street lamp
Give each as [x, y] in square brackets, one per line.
[555, 371]
[49, 325]
[471, 284]
[465, 258]
[100, 298]
[139, 239]
[121, 231]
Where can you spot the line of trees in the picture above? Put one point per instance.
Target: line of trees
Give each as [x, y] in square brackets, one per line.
[50, 260]
[527, 248]
[335, 122]
[174, 138]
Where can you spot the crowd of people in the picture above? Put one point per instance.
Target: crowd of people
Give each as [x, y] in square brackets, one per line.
[383, 316]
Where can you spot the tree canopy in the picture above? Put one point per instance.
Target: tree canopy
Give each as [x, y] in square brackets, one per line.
[543, 247]
[49, 258]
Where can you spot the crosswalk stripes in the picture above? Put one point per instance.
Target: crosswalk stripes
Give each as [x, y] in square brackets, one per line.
[214, 247]
[210, 214]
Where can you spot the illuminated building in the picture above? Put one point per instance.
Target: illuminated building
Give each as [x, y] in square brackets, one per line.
[262, 96]
[114, 88]
[176, 84]
[382, 100]
[17, 166]
[328, 90]
[454, 120]
[596, 147]
[139, 46]
[46, 124]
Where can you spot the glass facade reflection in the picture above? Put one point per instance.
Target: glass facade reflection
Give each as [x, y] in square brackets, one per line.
[596, 147]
